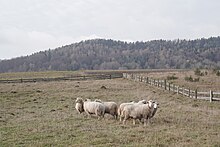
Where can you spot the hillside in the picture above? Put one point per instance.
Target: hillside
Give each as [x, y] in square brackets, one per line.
[109, 54]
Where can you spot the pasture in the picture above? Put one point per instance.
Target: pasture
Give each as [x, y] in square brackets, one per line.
[43, 114]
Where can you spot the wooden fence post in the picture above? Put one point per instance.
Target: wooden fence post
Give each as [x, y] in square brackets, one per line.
[211, 95]
[147, 80]
[196, 94]
[169, 86]
[189, 93]
[158, 84]
[165, 84]
[177, 89]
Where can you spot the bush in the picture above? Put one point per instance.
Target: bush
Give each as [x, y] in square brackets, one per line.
[198, 72]
[172, 77]
[190, 79]
[218, 73]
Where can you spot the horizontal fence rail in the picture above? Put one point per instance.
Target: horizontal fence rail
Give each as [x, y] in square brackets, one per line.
[164, 84]
[71, 78]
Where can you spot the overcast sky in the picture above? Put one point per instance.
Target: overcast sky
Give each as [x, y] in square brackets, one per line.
[28, 26]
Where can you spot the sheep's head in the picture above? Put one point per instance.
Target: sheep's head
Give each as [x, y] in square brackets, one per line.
[88, 100]
[150, 103]
[156, 105]
[79, 100]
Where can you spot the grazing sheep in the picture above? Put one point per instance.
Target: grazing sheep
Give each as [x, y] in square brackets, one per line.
[110, 108]
[91, 107]
[79, 105]
[138, 111]
[121, 107]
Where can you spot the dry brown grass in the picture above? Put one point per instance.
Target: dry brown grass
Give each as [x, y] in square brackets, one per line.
[43, 114]
[206, 82]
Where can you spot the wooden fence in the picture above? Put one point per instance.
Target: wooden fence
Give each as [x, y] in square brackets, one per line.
[71, 78]
[164, 84]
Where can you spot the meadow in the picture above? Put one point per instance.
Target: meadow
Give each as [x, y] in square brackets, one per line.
[43, 114]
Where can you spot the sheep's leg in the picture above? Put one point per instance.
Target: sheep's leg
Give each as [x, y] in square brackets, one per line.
[124, 121]
[148, 121]
[145, 122]
[116, 116]
[120, 118]
[89, 116]
[134, 122]
[98, 114]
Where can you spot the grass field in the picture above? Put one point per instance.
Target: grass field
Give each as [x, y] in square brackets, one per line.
[43, 114]
[207, 82]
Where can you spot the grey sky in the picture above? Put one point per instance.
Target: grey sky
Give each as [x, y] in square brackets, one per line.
[28, 26]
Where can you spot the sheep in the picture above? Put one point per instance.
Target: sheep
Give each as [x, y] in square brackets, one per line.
[138, 111]
[110, 108]
[79, 105]
[91, 107]
[121, 107]
[155, 109]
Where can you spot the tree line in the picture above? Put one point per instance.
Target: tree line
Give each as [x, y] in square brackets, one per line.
[99, 54]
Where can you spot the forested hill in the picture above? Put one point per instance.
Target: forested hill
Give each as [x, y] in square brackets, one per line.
[110, 54]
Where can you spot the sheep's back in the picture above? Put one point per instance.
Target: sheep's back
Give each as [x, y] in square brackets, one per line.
[93, 106]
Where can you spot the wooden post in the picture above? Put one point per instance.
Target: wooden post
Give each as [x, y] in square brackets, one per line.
[211, 95]
[189, 92]
[141, 79]
[165, 84]
[196, 94]
[177, 89]
[169, 86]
[183, 90]
[147, 80]
[158, 84]
[110, 76]
[21, 80]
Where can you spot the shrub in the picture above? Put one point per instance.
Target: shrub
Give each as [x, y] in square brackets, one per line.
[172, 77]
[218, 73]
[191, 79]
[199, 73]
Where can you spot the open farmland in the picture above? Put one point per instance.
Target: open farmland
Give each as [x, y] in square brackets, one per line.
[43, 114]
[209, 81]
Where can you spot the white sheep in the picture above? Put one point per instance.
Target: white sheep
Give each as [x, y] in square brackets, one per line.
[155, 109]
[138, 111]
[91, 107]
[122, 105]
[79, 105]
[110, 108]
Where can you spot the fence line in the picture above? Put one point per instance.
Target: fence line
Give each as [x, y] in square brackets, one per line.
[71, 78]
[164, 84]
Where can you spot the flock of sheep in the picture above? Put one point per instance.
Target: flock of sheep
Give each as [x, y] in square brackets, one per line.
[142, 110]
